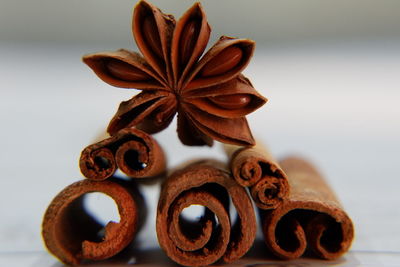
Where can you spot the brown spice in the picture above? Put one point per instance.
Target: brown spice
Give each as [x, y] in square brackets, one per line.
[208, 91]
[256, 168]
[71, 234]
[205, 183]
[310, 219]
[134, 152]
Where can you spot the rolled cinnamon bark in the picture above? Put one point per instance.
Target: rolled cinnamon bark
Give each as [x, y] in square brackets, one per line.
[134, 152]
[254, 167]
[205, 183]
[311, 219]
[72, 235]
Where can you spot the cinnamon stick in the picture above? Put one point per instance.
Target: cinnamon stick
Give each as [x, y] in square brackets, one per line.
[134, 152]
[214, 236]
[311, 219]
[72, 235]
[254, 167]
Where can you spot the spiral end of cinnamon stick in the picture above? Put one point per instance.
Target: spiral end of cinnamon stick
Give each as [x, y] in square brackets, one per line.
[311, 219]
[246, 171]
[97, 163]
[134, 152]
[297, 227]
[212, 237]
[71, 234]
[256, 168]
[270, 191]
[328, 238]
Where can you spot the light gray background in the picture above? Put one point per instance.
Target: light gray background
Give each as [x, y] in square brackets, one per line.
[88, 21]
[331, 70]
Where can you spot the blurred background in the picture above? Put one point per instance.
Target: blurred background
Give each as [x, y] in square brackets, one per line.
[330, 69]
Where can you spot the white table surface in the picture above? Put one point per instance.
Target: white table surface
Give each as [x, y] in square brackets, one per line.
[336, 104]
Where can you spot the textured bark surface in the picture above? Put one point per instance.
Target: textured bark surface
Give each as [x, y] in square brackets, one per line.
[72, 234]
[311, 219]
[134, 152]
[255, 168]
[214, 236]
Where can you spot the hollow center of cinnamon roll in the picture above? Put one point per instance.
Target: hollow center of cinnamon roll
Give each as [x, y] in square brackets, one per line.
[192, 219]
[332, 237]
[131, 158]
[272, 191]
[308, 222]
[197, 219]
[285, 233]
[85, 218]
[193, 213]
[102, 163]
[101, 207]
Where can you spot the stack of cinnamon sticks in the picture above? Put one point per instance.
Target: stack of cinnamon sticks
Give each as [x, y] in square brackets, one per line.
[211, 97]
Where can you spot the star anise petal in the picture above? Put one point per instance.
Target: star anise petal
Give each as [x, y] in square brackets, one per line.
[189, 134]
[153, 31]
[124, 69]
[234, 131]
[225, 60]
[189, 41]
[161, 117]
[134, 111]
[233, 99]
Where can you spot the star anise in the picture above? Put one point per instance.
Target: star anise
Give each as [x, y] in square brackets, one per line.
[210, 94]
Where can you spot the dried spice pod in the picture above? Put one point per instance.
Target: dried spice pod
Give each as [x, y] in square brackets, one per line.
[72, 234]
[214, 236]
[311, 219]
[134, 152]
[208, 92]
[254, 167]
